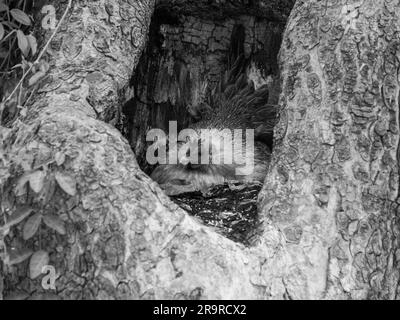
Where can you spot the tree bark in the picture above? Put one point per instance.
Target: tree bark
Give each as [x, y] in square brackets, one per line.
[333, 186]
[329, 203]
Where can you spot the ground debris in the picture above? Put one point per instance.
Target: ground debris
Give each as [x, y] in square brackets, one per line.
[231, 208]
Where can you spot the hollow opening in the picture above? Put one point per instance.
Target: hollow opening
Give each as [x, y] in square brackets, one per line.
[188, 52]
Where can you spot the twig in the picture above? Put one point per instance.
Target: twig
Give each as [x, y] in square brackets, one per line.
[9, 35]
[41, 53]
[20, 89]
[29, 98]
[6, 61]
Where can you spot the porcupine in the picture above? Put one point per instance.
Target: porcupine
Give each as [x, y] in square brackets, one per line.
[233, 104]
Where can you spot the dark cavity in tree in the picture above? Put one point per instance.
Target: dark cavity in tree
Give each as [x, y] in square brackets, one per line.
[186, 50]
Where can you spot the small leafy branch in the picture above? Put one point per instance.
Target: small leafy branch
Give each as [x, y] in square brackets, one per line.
[39, 258]
[16, 47]
[13, 23]
[13, 20]
[30, 218]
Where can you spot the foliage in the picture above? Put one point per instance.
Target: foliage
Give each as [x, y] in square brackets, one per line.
[14, 24]
[17, 47]
[28, 220]
[21, 60]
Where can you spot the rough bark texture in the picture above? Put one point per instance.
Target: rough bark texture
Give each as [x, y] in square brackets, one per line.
[329, 203]
[333, 187]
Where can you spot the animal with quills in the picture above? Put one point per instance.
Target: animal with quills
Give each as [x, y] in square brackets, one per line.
[233, 105]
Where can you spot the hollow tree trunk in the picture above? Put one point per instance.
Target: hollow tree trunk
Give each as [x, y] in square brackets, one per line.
[329, 202]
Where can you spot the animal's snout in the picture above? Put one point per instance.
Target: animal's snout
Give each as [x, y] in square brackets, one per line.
[191, 156]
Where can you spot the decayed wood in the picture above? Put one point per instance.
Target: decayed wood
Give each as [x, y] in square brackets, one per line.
[274, 10]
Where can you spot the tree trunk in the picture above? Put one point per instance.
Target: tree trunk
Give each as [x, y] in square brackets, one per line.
[329, 203]
[332, 191]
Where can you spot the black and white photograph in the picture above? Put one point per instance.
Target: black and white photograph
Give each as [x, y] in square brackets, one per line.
[226, 151]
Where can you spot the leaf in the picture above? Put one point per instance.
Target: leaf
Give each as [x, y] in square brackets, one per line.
[36, 180]
[23, 44]
[60, 158]
[36, 77]
[20, 17]
[48, 190]
[32, 43]
[67, 183]
[55, 223]
[18, 216]
[20, 185]
[1, 31]
[31, 226]
[19, 256]
[39, 260]
[3, 7]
